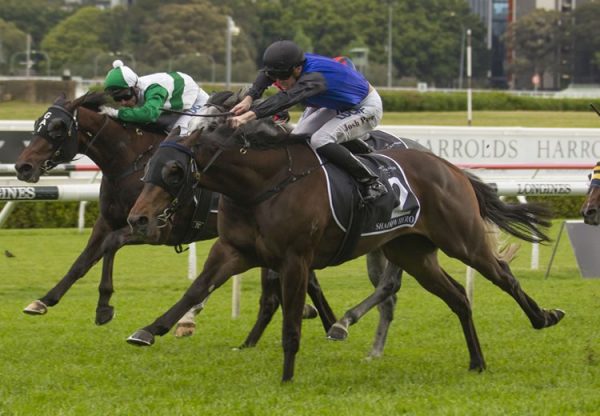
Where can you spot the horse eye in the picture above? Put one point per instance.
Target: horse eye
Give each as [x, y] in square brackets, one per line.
[56, 128]
[172, 174]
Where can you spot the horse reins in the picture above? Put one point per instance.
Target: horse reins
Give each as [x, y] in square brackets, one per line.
[185, 113]
[291, 178]
[94, 137]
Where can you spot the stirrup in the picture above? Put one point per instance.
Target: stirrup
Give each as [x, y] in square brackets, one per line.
[374, 191]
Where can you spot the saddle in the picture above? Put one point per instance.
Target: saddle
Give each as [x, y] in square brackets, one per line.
[398, 208]
[380, 140]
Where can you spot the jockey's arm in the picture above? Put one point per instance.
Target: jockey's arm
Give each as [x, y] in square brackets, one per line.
[155, 98]
[261, 83]
[308, 85]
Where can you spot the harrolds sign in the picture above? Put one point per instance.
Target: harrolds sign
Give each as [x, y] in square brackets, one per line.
[460, 145]
[508, 145]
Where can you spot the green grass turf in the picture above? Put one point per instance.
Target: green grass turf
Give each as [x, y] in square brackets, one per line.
[63, 364]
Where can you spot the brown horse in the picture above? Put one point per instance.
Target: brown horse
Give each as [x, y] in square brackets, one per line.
[275, 213]
[590, 210]
[68, 128]
[121, 152]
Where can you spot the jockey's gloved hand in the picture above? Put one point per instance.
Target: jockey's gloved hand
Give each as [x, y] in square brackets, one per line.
[109, 111]
[282, 117]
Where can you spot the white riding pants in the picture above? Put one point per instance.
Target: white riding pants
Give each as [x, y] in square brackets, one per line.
[184, 120]
[332, 126]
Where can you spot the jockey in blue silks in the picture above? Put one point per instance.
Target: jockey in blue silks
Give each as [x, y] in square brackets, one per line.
[341, 105]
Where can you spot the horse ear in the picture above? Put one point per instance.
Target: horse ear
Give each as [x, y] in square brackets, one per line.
[232, 100]
[236, 97]
[60, 99]
[197, 133]
[173, 134]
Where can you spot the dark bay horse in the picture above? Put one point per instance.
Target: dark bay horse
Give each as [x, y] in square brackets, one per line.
[75, 127]
[121, 152]
[275, 213]
[590, 210]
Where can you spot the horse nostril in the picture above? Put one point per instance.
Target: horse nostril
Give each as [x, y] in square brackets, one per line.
[23, 167]
[137, 221]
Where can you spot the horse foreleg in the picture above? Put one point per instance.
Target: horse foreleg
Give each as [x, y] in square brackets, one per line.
[268, 304]
[186, 326]
[294, 282]
[270, 300]
[88, 257]
[386, 277]
[112, 243]
[318, 297]
[223, 262]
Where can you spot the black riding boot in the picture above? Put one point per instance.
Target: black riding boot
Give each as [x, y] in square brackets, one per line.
[343, 158]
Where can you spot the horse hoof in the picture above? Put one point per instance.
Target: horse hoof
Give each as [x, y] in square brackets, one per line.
[242, 347]
[185, 329]
[556, 316]
[37, 307]
[337, 332]
[141, 338]
[104, 315]
[374, 354]
[310, 312]
[477, 366]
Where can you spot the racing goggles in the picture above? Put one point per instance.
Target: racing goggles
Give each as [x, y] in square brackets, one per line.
[276, 74]
[122, 95]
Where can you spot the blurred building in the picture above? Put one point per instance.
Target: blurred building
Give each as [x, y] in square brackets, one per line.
[497, 16]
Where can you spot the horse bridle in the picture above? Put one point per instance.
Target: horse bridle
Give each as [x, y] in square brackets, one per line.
[156, 178]
[63, 149]
[192, 171]
[60, 144]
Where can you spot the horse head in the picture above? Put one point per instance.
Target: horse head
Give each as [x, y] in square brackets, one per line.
[590, 209]
[238, 163]
[55, 137]
[169, 173]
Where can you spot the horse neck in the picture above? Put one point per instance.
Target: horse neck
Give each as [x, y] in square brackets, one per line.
[108, 144]
[247, 176]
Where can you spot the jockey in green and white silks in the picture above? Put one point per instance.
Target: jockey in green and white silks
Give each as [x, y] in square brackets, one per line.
[143, 98]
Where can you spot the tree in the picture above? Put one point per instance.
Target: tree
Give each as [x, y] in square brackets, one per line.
[75, 41]
[13, 42]
[586, 39]
[426, 43]
[35, 17]
[536, 39]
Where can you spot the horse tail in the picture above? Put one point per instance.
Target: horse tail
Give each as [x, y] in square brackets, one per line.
[521, 220]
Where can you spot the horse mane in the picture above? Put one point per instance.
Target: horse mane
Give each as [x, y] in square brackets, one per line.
[258, 134]
[223, 98]
[91, 101]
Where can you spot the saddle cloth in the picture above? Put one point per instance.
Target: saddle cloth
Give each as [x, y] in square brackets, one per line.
[398, 208]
